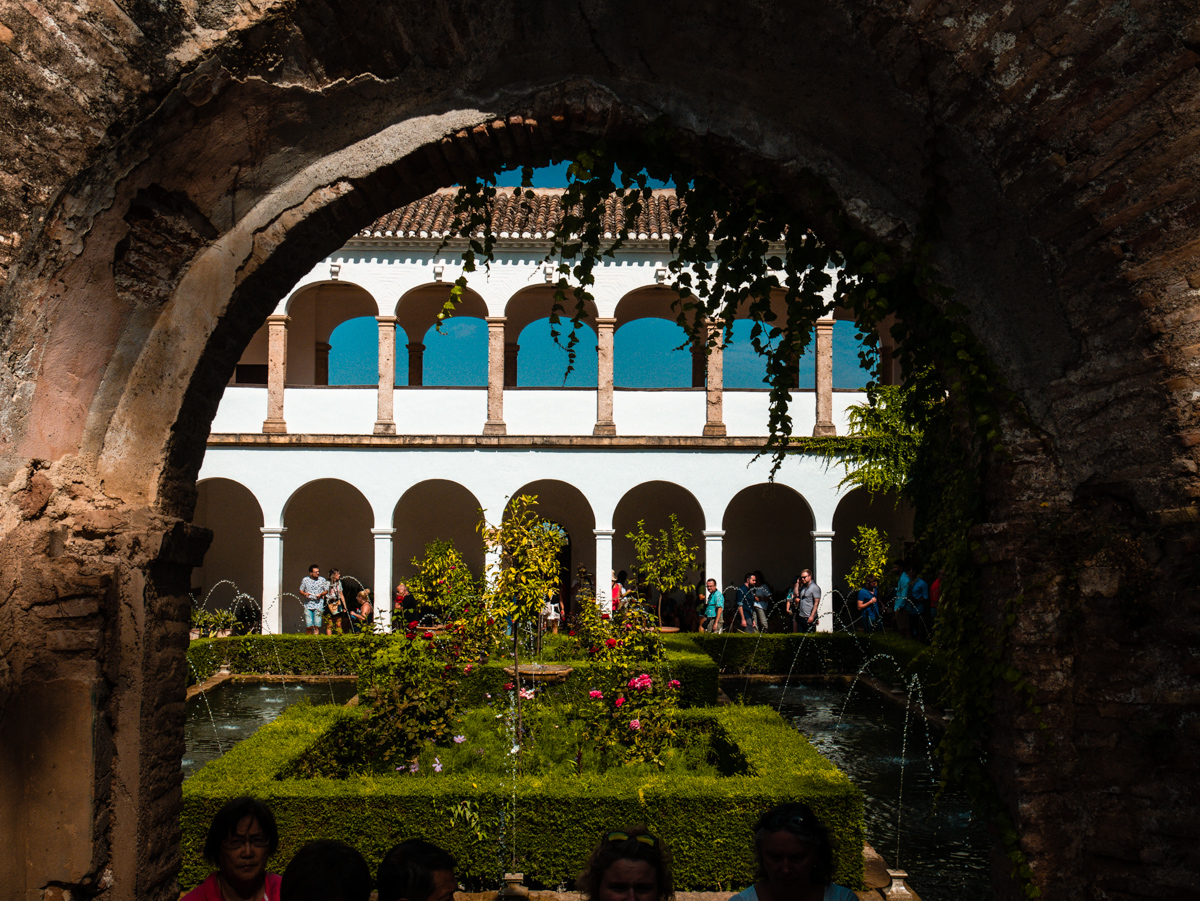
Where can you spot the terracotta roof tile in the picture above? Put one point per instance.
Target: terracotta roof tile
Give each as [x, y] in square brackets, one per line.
[432, 216]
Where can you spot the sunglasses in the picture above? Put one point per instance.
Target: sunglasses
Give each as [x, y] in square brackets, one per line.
[644, 838]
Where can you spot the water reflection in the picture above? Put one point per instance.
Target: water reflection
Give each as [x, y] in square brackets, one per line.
[239, 708]
[945, 850]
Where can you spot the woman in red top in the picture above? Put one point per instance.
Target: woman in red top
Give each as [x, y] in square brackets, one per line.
[241, 839]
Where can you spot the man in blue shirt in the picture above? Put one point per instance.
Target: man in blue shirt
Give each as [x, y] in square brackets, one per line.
[746, 603]
[918, 593]
[867, 602]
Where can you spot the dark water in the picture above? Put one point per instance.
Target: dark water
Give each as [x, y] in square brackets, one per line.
[239, 708]
[945, 851]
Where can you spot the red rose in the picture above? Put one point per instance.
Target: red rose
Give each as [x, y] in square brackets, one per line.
[413, 624]
[508, 686]
[427, 635]
[410, 635]
[611, 643]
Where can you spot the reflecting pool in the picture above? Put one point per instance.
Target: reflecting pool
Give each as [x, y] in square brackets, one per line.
[945, 850]
[240, 708]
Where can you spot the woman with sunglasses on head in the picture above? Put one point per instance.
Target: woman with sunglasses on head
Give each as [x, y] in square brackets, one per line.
[630, 865]
[241, 839]
[793, 857]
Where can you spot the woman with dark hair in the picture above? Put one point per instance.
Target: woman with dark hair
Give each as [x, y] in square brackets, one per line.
[241, 838]
[794, 858]
[629, 865]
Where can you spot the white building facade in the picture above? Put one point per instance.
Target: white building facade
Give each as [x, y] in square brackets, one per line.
[361, 477]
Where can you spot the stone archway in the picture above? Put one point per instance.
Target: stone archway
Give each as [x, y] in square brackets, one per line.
[173, 184]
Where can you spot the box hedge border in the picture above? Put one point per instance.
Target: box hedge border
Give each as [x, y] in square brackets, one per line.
[706, 820]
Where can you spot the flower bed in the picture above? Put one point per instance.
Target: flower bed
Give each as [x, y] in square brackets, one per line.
[549, 819]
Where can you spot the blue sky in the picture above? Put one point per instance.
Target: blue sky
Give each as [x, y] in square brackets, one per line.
[644, 350]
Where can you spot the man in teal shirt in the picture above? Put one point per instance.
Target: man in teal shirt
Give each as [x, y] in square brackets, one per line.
[902, 606]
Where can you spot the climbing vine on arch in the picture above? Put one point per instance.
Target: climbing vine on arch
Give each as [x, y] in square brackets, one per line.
[737, 245]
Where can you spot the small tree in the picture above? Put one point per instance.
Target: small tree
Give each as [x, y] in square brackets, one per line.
[442, 579]
[663, 561]
[522, 573]
[873, 549]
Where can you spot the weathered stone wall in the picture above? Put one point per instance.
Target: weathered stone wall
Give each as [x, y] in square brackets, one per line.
[169, 168]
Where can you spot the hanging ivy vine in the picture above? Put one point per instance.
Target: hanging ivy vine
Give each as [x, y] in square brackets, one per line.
[740, 250]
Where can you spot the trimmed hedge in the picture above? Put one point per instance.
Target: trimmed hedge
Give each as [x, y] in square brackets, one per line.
[829, 653]
[290, 655]
[706, 820]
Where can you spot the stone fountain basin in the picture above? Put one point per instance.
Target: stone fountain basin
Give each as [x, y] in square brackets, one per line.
[549, 673]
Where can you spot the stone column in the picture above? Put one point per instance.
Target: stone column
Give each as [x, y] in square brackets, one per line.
[321, 365]
[416, 364]
[276, 373]
[824, 340]
[604, 568]
[604, 379]
[714, 547]
[272, 591]
[714, 425]
[511, 350]
[383, 577]
[384, 422]
[823, 576]
[699, 362]
[495, 400]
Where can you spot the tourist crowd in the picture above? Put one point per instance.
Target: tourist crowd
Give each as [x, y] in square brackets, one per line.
[793, 857]
[908, 605]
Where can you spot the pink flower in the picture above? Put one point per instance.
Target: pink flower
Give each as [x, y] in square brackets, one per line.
[635, 725]
[595, 693]
[619, 701]
[508, 686]
[674, 683]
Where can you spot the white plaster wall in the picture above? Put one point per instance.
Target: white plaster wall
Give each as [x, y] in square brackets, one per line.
[604, 476]
[537, 411]
[659, 412]
[438, 411]
[540, 411]
[330, 411]
[241, 410]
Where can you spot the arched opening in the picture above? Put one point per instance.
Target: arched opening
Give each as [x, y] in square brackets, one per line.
[233, 565]
[653, 503]
[768, 529]
[314, 313]
[328, 523]
[532, 359]
[454, 353]
[565, 505]
[435, 510]
[1048, 232]
[860, 508]
[651, 349]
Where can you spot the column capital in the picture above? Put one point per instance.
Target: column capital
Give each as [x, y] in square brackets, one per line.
[382, 533]
[713, 533]
[604, 533]
[823, 536]
[825, 323]
[605, 321]
[495, 320]
[272, 532]
[279, 319]
[386, 320]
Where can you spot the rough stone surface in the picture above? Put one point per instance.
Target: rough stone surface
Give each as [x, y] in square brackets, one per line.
[169, 168]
